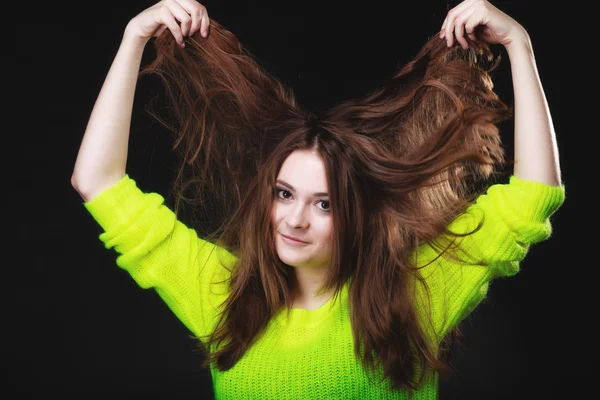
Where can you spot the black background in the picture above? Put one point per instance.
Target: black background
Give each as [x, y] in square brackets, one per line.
[76, 326]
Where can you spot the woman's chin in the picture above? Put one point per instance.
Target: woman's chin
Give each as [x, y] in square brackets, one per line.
[290, 260]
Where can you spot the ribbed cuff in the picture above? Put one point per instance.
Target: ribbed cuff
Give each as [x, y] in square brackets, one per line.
[116, 204]
[544, 199]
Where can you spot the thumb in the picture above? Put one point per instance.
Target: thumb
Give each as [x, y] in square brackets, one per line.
[160, 30]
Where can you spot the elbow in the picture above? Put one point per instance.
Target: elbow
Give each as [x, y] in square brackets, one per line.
[88, 189]
[79, 188]
[75, 184]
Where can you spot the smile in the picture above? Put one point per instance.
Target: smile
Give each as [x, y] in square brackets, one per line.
[292, 242]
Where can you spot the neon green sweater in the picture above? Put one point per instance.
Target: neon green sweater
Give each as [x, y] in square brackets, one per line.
[311, 354]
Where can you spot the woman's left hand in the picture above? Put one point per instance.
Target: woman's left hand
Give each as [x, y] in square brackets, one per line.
[493, 26]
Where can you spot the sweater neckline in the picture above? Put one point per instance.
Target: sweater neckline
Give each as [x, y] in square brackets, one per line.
[302, 316]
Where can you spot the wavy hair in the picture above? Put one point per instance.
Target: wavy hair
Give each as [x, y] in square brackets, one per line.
[410, 156]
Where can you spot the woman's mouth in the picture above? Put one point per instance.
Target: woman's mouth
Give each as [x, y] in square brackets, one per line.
[293, 241]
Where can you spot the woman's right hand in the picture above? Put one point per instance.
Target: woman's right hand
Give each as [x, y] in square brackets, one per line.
[151, 22]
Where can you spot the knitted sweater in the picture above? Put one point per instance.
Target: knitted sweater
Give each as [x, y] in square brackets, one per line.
[310, 355]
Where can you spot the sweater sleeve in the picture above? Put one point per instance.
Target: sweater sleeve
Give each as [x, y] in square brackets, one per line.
[160, 252]
[511, 217]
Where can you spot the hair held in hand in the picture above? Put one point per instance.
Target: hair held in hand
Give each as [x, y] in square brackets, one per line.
[401, 163]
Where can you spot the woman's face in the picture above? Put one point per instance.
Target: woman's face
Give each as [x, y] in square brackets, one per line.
[301, 210]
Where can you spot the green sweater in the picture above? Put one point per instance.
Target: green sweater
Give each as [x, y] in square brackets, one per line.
[311, 354]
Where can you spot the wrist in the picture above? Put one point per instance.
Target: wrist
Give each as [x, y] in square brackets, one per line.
[519, 41]
[130, 37]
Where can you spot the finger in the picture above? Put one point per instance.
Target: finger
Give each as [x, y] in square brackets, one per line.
[459, 32]
[205, 25]
[448, 25]
[180, 15]
[449, 29]
[443, 28]
[160, 30]
[169, 20]
[196, 11]
[459, 28]
[471, 24]
[470, 30]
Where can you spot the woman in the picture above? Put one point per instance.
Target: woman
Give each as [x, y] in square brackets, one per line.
[331, 256]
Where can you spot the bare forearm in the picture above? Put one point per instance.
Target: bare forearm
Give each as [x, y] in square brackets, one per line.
[102, 155]
[536, 151]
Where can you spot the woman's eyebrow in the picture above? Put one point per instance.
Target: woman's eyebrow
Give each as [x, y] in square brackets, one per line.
[317, 194]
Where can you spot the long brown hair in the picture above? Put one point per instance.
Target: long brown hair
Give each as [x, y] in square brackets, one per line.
[402, 162]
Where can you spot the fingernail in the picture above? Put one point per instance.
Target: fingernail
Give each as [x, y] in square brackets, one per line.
[204, 33]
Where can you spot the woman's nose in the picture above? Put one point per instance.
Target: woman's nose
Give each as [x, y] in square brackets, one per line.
[297, 217]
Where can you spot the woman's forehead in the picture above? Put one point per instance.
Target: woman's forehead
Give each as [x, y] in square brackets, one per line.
[304, 170]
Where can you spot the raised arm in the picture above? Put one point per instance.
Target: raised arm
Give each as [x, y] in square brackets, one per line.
[102, 155]
[536, 152]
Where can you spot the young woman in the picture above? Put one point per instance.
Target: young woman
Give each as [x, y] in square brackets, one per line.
[333, 255]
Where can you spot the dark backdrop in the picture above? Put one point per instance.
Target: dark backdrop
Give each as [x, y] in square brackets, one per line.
[77, 326]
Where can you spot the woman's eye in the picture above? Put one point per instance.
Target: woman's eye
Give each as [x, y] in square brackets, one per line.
[282, 193]
[325, 206]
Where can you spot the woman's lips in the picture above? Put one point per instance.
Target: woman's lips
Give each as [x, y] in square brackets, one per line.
[293, 242]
